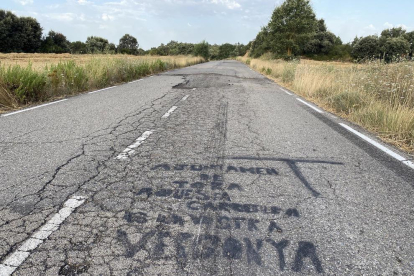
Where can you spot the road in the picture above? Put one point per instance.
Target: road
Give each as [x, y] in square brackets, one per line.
[207, 170]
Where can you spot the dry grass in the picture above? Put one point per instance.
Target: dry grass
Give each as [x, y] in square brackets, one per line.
[31, 78]
[39, 61]
[377, 96]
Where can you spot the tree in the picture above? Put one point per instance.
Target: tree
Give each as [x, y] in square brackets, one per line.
[110, 48]
[22, 34]
[366, 47]
[261, 44]
[96, 45]
[128, 44]
[78, 47]
[31, 34]
[410, 39]
[202, 49]
[214, 51]
[55, 43]
[393, 44]
[291, 27]
[322, 41]
[395, 48]
[226, 50]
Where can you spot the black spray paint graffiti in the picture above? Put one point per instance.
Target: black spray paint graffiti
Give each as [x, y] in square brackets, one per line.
[213, 222]
[228, 169]
[293, 165]
[206, 246]
[211, 209]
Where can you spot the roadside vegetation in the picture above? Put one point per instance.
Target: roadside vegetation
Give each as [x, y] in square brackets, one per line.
[23, 81]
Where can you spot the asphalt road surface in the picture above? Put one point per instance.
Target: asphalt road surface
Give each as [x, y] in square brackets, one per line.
[208, 170]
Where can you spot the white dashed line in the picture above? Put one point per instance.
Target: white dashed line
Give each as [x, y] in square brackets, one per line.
[311, 106]
[31, 108]
[101, 90]
[379, 146]
[286, 91]
[169, 112]
[194, 89]
[131, 149]
[12, 262]
[185, 98]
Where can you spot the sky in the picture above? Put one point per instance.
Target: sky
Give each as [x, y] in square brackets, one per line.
[154, 22]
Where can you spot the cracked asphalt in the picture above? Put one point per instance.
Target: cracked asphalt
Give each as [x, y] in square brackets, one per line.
[240, 179]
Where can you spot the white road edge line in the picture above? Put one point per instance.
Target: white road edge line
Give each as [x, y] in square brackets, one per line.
[185, 98]
[286, 91]
[131, 149]
[135, 81]
[101, 90]
[379, 146]
[311, 106]
[13, 261]
[31, 108]
[169, 112]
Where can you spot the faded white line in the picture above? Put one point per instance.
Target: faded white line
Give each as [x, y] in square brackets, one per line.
[379, 146]
[286, 91]
[194, 89]
[31, 108]
[135, 81]
[131, 149]
[169, 112]
[101, 90]
[13, 261]
[185, 98]
[311, 106]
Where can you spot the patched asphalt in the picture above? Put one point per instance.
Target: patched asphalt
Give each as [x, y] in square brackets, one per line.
[240, 179]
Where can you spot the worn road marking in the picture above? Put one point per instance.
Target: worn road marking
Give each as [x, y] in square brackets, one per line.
[194, 89]
[101, 90]
[311, 106]
[13, 261]
[131, 149]
[379, 146]
[135, 81]
[31, 108]
[286, 91]
[185, 98]
[169, 112]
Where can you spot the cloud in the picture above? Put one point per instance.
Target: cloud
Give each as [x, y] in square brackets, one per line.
[107, 17]
[370, 27]
[83, 2]
[388, 25]
[24, 2]
[230, 4]
[404, 27]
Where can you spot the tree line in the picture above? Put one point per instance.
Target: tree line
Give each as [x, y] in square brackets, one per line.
[24, 35]
[295, 31]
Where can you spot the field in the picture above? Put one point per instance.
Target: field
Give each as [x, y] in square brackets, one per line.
[377, 96]
[29, 78]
